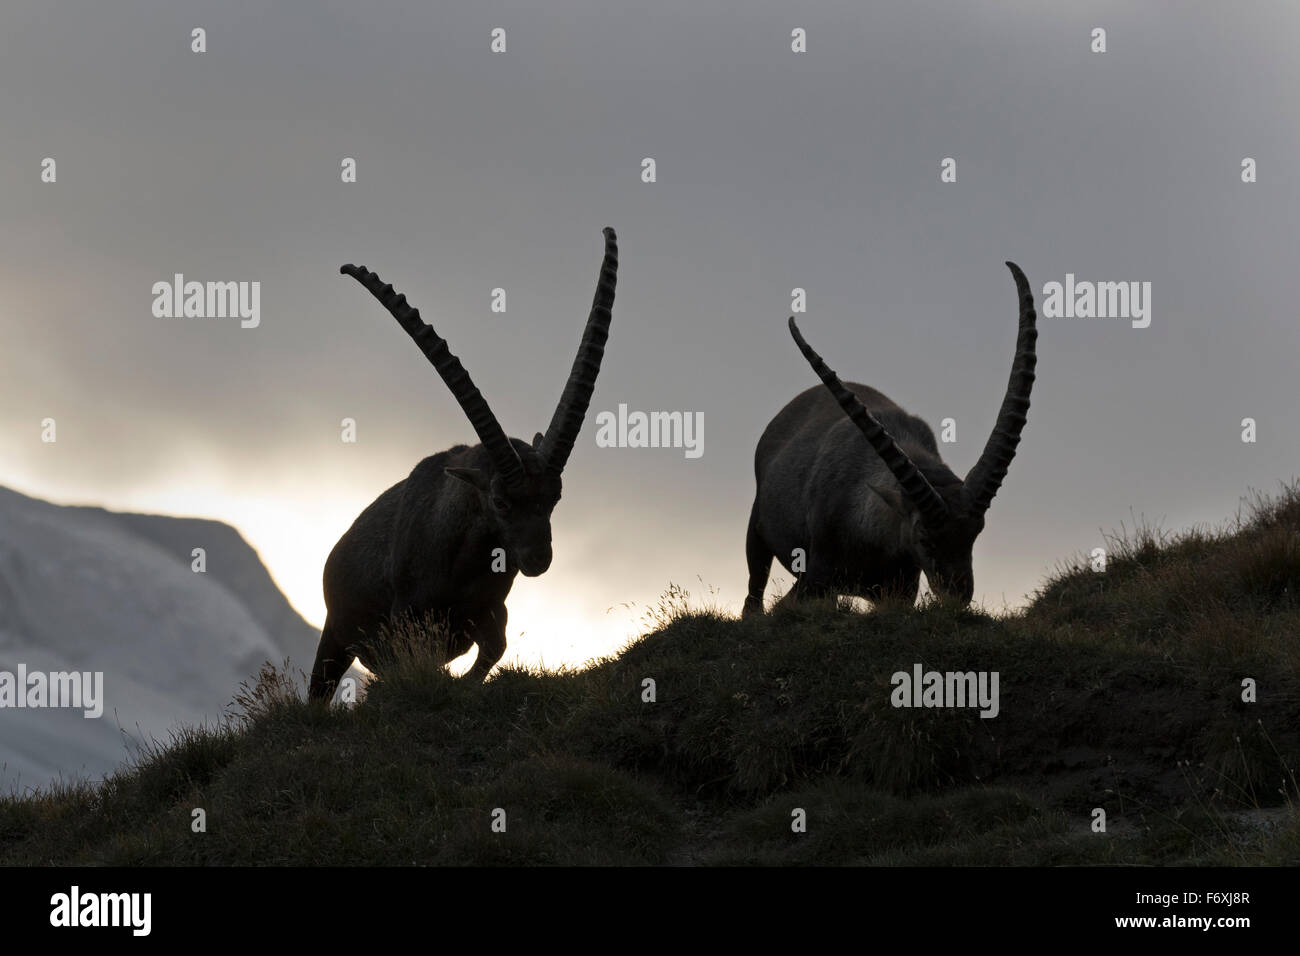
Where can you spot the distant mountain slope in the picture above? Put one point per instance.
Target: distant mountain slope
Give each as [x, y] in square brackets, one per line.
[85, 589]
[234, 563]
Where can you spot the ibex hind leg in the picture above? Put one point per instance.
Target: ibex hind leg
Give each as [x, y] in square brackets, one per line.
[805, 589]
[759, 557]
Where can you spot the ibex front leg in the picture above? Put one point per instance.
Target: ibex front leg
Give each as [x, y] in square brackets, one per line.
[488, 630]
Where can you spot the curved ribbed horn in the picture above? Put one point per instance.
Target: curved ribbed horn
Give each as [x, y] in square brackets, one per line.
[435, 349]
[918, 490]
[985, 478]
[567, 420]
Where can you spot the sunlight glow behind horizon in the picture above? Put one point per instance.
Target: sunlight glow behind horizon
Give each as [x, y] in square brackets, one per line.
[557, 620]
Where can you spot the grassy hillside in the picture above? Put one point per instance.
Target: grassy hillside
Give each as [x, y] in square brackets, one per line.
[1120, 690]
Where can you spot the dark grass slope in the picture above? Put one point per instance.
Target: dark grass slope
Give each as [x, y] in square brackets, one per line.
[1119, 690]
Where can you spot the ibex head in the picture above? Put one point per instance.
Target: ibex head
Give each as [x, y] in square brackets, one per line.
[943, 515]
[521, 487]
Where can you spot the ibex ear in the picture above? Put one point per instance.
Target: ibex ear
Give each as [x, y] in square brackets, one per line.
[537, 441]
[471, 476]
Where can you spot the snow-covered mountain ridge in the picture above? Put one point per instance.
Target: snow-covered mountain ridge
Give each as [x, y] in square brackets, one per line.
[85, 590]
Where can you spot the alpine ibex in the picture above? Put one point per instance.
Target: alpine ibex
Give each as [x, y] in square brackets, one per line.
[867, 517]
[450, 537]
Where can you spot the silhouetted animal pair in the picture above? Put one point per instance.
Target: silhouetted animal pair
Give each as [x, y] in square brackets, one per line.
[845, 515]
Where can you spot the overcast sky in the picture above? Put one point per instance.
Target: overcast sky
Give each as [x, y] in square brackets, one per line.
[775, 170]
